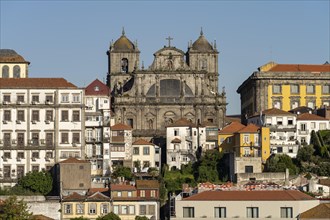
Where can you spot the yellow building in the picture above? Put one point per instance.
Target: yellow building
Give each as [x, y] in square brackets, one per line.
[285, 86]
[245, 141]
[96, 203]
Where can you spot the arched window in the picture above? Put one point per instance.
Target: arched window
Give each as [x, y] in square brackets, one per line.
[17, 71]
[5, 72]
[124, 65]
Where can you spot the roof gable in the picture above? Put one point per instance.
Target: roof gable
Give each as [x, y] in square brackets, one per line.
[250, 128]
[232, 128]
[120, 127]
[97, 88]
[310, 117]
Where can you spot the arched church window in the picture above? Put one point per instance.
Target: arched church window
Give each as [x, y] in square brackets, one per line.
[203, 64]
[124, 65]
[5, 72]
[130, 122]
[17, 71]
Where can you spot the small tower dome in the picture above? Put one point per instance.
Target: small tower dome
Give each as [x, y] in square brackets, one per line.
[123, 44]
[201, 44]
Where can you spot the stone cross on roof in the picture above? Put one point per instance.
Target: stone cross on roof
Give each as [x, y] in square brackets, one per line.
[169, 40]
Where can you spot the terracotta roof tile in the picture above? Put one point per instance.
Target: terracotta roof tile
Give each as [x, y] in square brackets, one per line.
[310, 117]
[74, 160]
[147, 184]
[273, 111]
[102, 89]
[142, 142]
[182, 122]
[10, 56]
[322, 211]
[98, 196]
[300, 68]
[274, 195]
[120, 127]
[74, 197]
[35, 83]
[232, 128]
[250, 128]
[120, 187]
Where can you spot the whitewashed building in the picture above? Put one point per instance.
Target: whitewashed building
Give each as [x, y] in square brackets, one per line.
[97, 128]
[12, 65]
[283, 130]
[40, 124]
[182, 141]
[145, 155]
[306, 123]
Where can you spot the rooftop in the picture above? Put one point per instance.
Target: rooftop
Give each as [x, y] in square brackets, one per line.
[310, 117]
[120, 127]
[232, 128]
[35, 83]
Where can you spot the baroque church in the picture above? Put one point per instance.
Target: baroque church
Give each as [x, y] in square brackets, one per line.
[176, 85]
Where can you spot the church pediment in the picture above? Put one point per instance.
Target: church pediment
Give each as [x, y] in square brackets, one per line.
[169, 58]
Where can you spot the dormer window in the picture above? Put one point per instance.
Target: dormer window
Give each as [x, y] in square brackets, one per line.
[96, 88]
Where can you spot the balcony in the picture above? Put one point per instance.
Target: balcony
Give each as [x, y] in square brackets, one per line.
[303, 132]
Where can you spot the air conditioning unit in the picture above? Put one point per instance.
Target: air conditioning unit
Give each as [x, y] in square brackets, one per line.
[18, 122]
[34, 122]
[5, 102]
[35, 102]
[47, 121]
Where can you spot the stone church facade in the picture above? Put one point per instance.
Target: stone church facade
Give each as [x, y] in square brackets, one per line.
[176, 85]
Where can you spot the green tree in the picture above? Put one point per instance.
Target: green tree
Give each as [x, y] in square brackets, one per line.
[79, 218]
[305, 153]
[279, 162]
[13, 209]
[121, 171]
[110, 216]
[40, 182]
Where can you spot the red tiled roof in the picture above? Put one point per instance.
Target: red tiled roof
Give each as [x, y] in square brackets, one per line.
[97, 196]
[322, 211]
[94, 190]
[300, 68]
[273, 111]
[182, 122]
[120, 127]
[74, 197]
[232, 128]
[142, 142]
[74, 160]
[120, 187]
[35, 83]
[310, 117]
[250, 128]
[147, 184]
[274, 195]
[102, 88]
[176, 140]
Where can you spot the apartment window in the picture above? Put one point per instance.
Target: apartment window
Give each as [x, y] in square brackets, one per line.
[325, 89]
[76, 98]
[5, 71]
[136, 150]
[220, 212]
[65, 98]
[49, 139]
[248, 169]
[153, 193]
[75, 137]
[131, 209]
[151, 209]
[146, 164]
[290, 121]
[116, 209]
[20, 139]
[130, 122]
[276, 89]
[35, 98]
[20, 115]
[129, 194]
[6, 98]
[49, 98]
[279, 149]
[156, 150]
[35, 139]
[311, 104]
[6, 171]
[75, 116]
[68, 208]
[92, 208]
[246, 138]
[188, 212]
[313, 125]
[35, 168]
[80, 209]
[35, 115]
[20, 98]
[323, 126]
[7, 155]
[7, 115]
[104, 208]
[252, 212]
[173, 159]
[64, 138]
[49, 115]
[49, 154]
[124, 210]
[303, 127]
[279, 121]
[294, 89]
[146, 151]
[65, 115]
[7, 139]
[35, 154]
[286, 212]
[310, 89]
[20, 155]
[20, 171]
[142, 193]
[176, 132]
[143, 210]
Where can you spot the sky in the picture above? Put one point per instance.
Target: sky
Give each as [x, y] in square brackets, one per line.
[69, 39]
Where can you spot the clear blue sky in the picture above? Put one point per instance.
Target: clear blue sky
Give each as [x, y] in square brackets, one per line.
[70, 38]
